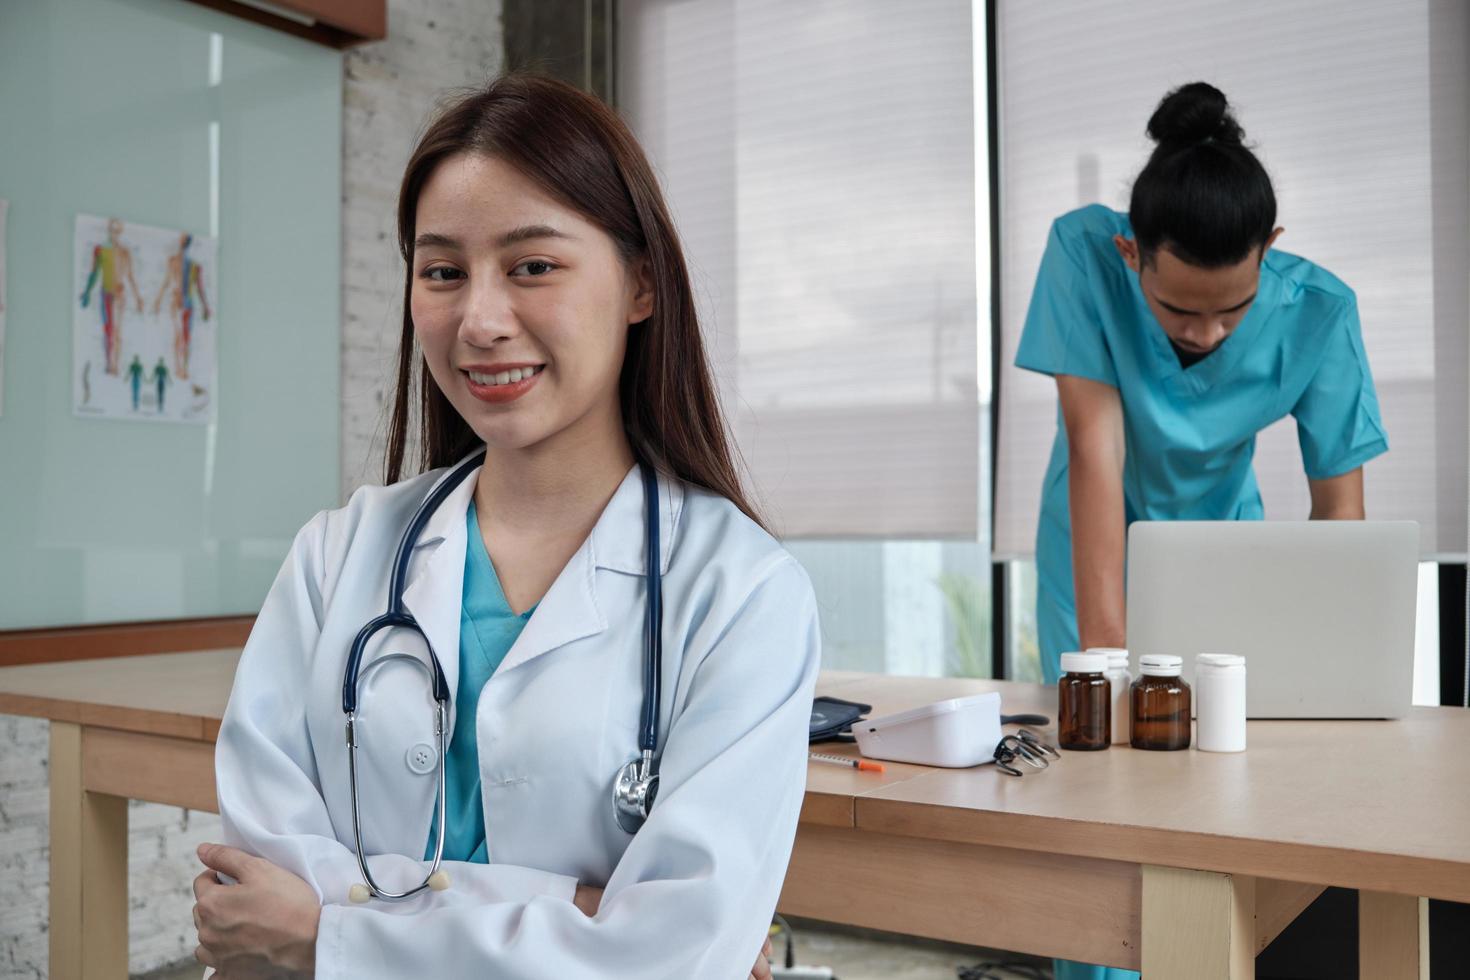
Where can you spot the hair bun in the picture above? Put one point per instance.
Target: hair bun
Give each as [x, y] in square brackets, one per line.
[1192, 114]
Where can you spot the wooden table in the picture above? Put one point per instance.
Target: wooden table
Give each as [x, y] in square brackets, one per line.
[1184, 864]
[124, 728]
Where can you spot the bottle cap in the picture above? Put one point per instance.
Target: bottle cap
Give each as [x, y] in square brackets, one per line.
[1160, 665]
[1117, 656]
[1218, 660]
[1084, 663]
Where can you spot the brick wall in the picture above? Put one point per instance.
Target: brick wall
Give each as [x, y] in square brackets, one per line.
[441, 45]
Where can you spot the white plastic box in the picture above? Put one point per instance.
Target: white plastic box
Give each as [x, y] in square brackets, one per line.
[956, 733]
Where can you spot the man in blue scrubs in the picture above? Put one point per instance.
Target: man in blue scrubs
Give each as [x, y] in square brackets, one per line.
[1176, 334]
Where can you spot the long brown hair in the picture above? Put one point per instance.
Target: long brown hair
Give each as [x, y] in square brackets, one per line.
[580, 152]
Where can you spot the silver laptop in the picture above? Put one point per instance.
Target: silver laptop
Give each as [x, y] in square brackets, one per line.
[1323, 611]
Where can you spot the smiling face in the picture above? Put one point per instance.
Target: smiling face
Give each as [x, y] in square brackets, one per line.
[1198, 308]
[520, 304]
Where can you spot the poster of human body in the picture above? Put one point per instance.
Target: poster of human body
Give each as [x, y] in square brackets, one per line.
[143, 327]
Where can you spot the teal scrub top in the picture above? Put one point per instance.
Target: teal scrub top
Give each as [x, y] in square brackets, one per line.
[487, 630]
[1190, 432]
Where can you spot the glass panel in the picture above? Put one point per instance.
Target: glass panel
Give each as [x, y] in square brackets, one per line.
[1426, 636]
[902, 607]
[1023, 652]
[167, 114]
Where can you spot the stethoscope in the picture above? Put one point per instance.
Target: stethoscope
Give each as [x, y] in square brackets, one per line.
[635, 784]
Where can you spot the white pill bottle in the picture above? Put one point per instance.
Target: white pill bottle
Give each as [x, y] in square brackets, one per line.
[1219, 685]
[1118, 676]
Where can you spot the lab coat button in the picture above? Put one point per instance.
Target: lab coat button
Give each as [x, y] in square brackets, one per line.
[421, 758]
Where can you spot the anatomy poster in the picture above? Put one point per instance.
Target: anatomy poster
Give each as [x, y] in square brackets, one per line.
[3, 205]
[143, 322]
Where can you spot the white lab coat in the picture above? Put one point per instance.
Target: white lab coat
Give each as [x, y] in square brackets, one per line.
[690, 896]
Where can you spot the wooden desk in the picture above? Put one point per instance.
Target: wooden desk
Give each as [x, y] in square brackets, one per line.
[1183, 863]
[124, 728]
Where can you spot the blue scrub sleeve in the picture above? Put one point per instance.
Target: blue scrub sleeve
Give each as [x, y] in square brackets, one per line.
[1063, 332]
[1337, 418]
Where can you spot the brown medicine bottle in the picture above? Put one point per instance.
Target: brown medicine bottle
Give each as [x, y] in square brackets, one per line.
[1084, 702]
[1160, 704]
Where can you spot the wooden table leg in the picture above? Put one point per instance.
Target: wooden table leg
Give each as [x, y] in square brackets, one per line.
[89, 869]
[1198, 924]
[1393, 936]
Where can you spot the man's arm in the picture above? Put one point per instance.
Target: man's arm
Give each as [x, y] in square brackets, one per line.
[1093, 415]
[1338, 498]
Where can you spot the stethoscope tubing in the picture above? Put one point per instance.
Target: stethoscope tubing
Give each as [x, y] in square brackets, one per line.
[398, 617]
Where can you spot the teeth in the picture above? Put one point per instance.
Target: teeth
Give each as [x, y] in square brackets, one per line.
[503, 377]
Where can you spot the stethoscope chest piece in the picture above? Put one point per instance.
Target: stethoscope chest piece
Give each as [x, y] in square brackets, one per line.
[633, 792]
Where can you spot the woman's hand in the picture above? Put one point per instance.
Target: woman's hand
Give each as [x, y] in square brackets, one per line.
[587, 899]
[265, 926]
[762, 968]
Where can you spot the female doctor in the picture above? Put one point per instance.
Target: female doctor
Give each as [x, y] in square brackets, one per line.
[1176, 334]
[549, 322]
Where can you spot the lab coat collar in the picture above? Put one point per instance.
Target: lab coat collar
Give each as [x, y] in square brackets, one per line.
[569, 611]
[435, 588]
[618, 538]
